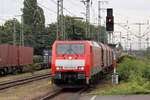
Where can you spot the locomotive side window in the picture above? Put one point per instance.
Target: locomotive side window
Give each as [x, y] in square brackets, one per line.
[70, 49]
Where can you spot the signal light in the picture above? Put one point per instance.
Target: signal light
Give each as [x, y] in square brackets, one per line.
[110, 20]
[109, 24]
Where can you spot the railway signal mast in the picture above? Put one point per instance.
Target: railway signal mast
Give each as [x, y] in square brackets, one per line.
[110, 29]
[99, 19]
[60, 21]
[139, 41]
[21, 37]
[22, 31]
[140, 33]
[87, 4]
[14, 34]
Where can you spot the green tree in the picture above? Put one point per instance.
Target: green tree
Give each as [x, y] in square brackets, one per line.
[33, 14]
[6, 32]
[34, 25]
[45, 37]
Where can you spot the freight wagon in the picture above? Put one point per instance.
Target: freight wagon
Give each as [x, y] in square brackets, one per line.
[13, 58]
[80, 63]
[47, 55]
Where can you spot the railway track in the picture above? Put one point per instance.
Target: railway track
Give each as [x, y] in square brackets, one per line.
[68, 94]
[52, 95]
[10, 84]
[61, 94]
[71, 94]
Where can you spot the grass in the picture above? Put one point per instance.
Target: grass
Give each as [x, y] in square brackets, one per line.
[134, 78]
[31, 68]
[28, 92]
[123, 89]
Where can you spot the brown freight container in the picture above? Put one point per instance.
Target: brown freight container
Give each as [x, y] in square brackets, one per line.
[12, 56]
[8, 56]
[25, 55]
[104, 54]
[15, 55]
[107, 55]
[3, 55]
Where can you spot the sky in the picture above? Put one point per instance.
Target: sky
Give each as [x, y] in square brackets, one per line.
[126, 13]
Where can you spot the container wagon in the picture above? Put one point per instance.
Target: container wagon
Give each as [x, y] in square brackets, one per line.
[47, 55]
[13, 58]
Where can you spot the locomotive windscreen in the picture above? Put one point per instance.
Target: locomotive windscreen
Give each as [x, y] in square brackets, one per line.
[70, 49]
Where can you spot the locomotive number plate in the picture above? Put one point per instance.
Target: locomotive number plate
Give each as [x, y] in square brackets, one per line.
[70, 68]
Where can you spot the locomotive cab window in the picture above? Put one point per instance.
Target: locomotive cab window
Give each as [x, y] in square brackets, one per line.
[70, 49]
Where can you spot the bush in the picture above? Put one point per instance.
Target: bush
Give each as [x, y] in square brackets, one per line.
[122, 57]
[129, 66]
[125, 67]
[37, 59]
[134, 75]
[136, 84]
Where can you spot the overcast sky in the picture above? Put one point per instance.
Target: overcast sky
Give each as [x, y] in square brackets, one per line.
[135, 11]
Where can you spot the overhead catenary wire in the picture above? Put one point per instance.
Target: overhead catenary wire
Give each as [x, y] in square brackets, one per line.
[71, 2]
[137, 36]
[53, 1]
[47, 8]
[3, 19]
[75, 4]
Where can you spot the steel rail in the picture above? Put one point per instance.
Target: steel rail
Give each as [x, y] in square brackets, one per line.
[10, 84]
[52, 95]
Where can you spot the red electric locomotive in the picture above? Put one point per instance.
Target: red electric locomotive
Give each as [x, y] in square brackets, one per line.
[79, 62]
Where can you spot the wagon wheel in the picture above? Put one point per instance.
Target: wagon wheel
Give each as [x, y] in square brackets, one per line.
[20, 69]
[2, 72]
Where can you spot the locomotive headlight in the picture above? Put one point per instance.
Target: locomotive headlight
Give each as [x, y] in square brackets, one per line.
[81, 67]
[69, 58]
[58, 68]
